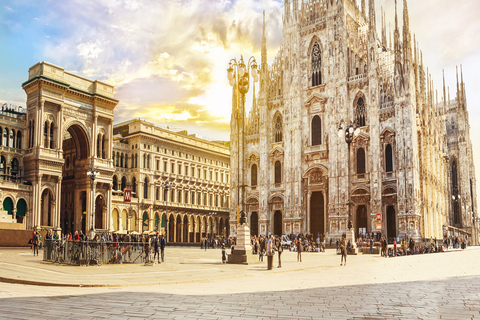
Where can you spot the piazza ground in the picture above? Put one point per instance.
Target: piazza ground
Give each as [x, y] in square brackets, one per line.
[192, 283]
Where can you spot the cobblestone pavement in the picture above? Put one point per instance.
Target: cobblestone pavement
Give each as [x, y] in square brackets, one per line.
[434, 286]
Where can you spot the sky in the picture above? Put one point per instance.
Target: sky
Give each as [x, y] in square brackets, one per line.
[167, 58]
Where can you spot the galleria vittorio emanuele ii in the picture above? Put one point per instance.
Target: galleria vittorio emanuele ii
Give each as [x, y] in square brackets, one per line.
[347, 126]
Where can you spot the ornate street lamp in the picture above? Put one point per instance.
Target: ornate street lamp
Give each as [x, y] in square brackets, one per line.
[239, 77]
[93, 174]
[349, 132]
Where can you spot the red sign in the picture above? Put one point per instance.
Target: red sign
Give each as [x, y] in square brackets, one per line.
[379, 226]
[127, 195]
[379, 217]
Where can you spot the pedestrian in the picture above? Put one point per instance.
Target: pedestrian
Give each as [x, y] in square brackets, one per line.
[371, 246]
[270, 252]
[36, 241]
[278, 244]
[205, 243]
[299, 250]
[343, 252]
[163, 243]
[224, 255]
[156, 247]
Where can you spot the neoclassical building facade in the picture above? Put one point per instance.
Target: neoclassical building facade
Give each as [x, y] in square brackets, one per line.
[49, 150]
[180, 183]
[348, 127]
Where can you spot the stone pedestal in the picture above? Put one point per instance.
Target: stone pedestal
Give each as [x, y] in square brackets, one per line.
[242, 252]
[351, 237]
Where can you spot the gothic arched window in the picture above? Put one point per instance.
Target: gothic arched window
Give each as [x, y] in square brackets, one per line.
[45, 135]
[124, 183]
[316, 131]
[115, 184]
[134, 185]
[254, 175]
[388, 158]
[103, 148]
[12, 138]
[278, 129]
[19, 140]
[361, 113]
[51, 136]
[316, 65]
[145, 188]
[360, 161]
[278, 172]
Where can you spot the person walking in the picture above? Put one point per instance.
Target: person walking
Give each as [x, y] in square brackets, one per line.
[278, 245]
[224, 254]
[36, 241]
[371, 246]
[343, 252]
[163, 243]
[299, 250]
[156, 248]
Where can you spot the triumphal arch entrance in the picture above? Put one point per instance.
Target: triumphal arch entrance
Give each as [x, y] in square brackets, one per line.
[69, 135]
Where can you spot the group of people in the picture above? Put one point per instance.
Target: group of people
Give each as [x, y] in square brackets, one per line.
[262, 246]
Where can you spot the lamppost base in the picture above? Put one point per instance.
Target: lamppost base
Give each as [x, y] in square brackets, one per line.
[242, 252]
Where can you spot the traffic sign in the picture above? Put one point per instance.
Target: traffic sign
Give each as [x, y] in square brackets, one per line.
[379, 217]
[127, 195]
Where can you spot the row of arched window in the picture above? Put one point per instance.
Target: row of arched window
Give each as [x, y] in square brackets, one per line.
[191, 197]
[120, 159]
[10, 138]
[361, 166]
[11, 172]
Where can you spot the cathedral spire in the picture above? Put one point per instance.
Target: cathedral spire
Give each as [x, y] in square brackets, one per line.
[458, 89]
[264, 66]
[384, 31]
[407, 45]
[286, 17]
[372, 20]
[462, 85]
[363, 7]
[295, 10]
[444, 93]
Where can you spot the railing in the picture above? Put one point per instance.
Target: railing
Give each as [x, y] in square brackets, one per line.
[96, 252]
[357, 77]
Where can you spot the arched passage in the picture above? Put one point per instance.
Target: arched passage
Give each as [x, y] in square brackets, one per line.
[8, 205]
[124, 219]
[179, 229]
[145, 221]
[317, 214]
[171, 228]
[21, 210]
[185, 229]
[73, 213]
[46, 216]
[116, 220]
[99, 205]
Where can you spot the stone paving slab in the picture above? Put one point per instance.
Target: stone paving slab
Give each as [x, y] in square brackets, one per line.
[194, 285]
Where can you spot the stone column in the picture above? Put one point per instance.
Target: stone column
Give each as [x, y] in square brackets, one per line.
[108, 211]
[58, 195]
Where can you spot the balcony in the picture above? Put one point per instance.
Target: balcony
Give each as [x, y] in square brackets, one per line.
[357, 77]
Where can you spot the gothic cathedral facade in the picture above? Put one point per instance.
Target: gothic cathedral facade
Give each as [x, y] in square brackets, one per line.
[347, 127]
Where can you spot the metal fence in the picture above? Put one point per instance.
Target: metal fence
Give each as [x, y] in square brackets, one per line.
[96, 253]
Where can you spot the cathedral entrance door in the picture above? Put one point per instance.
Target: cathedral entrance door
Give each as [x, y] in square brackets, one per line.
[277, 223]
[391, 227]
[361, 219]
[254, 224]
[317, 220]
